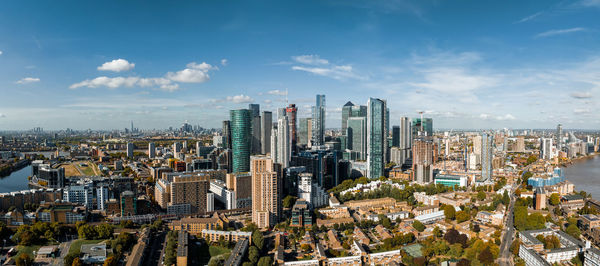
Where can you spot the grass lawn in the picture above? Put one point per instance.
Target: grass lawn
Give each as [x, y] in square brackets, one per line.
[27, 249]
[216, 250]
[70, 170]
[76, 245]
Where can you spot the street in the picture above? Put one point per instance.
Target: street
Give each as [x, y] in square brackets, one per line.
[508, 233]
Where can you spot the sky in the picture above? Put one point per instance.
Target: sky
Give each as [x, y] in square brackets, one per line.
[467, 64]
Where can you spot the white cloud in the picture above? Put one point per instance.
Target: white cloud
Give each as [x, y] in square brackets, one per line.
[240, 99]
[117, 65]
[310, 60]
[558, 32]
[224, 62]
[277, 92]
[335, 72]
[591, 3]
[28, 80]
[530, 17]
[580, 111]
[267, 101]
[194, 73]
[129, 82]
[2, 115]
[581, 95]
[505, 117]
[0, 52]
[454, 80]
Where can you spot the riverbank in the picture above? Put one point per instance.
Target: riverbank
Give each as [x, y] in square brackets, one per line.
[584, 173]
[8, 169]
[580, 158]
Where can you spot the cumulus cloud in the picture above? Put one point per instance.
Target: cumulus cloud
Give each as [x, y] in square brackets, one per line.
[28, 80]
[277, 92]
[194, 73]
[310, 60]
[224, 62]
[128, 82]
[581, 111]
[0, 52]
[267, 101]
[505, 117]
[454, 80]
[240, 99]
[558, 32]
[2, 115]
[581, 95]
[117, 65]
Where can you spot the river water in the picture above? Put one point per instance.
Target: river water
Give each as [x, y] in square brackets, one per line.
[585, 175]
[16, 181]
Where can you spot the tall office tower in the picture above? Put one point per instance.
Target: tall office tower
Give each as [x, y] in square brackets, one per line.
[151, 150]
[318, 121]
[396, 136]
[291, 112]
[130, 148]
[284, 142]
[346, 113]
[266, 191]
[487, 156]
[303, 131]
[190, 190]
[405, 139]
[357, 136]
[386, 128]
[274, 135]
[520, 146]
[256, 132]
[376, 137]
[350, 110]
[546, 148]
[424, 128]
[423, 160]
[226, 132]
[241, 139]
[559, 135]
[266, 122]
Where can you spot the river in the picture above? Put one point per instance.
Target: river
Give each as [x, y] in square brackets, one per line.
[585, 175]
[16, 181]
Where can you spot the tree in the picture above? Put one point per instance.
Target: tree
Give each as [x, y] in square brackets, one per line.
[104, 231]
[505, 198]
[289, 201]
[462, 216]
[514, 247]
[554, 199]
[486, 256]
[24, 260]
[449, 212]
[110, 261]
[265, 261]
[573, 230]
[77, 262]
[257, 239]
[86, 231]
[418, 226]
[253, 254]
[481, 195]
[70, 258]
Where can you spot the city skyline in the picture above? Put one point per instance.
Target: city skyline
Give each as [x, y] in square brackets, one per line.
[103, 65]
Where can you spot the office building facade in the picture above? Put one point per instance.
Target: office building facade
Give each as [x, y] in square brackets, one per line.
[377, 135]
[241, 139]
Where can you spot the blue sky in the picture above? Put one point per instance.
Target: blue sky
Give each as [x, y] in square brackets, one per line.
[467, 64]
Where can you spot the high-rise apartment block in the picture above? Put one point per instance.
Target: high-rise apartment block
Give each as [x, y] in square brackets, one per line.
[377, 135]
[318, 121]
[266, 191]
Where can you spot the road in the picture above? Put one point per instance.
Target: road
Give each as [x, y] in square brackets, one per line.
[508, 234]
[157, 249]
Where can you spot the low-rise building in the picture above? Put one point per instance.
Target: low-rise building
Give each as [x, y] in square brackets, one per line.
[196, 225]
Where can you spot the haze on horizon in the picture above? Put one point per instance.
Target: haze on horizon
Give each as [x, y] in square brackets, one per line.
[470, 64]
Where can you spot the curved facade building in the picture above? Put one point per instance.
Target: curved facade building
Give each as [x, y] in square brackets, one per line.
[241, 139]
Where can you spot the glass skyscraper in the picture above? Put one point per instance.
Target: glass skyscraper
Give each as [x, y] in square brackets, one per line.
[318, 121]
[377, 134]
[357, 136]
[241, 139]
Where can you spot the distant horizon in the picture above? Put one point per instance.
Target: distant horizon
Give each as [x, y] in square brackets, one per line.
[468, 64]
